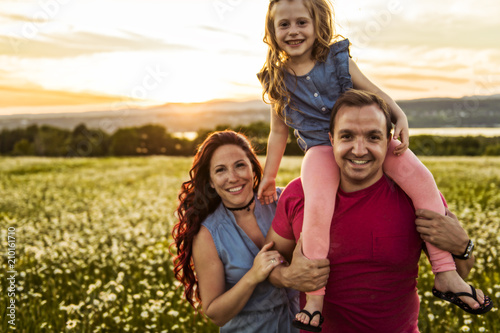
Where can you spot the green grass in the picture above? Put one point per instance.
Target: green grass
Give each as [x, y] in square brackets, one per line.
[92, 239]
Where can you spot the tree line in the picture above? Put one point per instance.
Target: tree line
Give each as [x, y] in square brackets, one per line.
[156, 140]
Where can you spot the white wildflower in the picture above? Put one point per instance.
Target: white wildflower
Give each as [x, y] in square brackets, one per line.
[71, 324]
[173, 313]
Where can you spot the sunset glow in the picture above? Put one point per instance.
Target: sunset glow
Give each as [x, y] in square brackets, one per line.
[57, 52]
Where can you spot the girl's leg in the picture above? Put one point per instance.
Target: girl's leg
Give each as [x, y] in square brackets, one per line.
[418, 183]
[320, 181]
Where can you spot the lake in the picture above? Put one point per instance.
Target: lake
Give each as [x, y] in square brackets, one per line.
[443, 131]
[457, 131]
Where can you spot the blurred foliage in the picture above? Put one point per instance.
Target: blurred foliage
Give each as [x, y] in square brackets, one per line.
[156, 140]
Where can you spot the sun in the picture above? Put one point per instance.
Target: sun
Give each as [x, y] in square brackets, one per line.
[190, 80]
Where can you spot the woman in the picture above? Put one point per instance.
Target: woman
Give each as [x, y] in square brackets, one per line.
[222, 228]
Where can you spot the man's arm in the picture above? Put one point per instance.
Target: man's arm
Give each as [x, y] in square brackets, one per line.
[446, 233]
[301, 274]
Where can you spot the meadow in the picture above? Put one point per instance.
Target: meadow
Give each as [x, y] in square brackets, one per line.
[92, 243]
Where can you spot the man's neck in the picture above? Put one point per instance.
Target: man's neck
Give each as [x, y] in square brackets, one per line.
[352, 186]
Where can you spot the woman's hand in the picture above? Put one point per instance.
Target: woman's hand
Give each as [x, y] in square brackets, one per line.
[264, 263]
[267, 191]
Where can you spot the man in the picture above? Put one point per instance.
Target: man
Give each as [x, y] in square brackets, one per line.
[374, 244]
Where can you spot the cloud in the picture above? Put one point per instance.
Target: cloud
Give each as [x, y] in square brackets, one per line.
[222, 31]
[245, 85]
[243, 53]
[23, 18]
[410, 77]
[61, 45]
[32, 95]
[405, 88]
[451, 67]
[441, 24]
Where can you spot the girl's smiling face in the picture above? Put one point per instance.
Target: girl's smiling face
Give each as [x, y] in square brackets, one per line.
[231, 175]
[294, 29]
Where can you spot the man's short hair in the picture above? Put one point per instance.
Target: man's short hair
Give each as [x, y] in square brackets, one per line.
[360, 98]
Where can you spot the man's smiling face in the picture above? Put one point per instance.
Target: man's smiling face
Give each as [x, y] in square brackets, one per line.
[359, 144]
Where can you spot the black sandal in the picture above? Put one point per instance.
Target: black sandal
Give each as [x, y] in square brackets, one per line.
[308, 327]
[454, 299]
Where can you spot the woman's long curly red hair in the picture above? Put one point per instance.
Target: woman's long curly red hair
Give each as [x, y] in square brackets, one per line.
[197, 199]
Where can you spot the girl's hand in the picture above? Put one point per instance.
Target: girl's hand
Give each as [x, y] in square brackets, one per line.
[401, 132]
[267, 191]
[264, 263]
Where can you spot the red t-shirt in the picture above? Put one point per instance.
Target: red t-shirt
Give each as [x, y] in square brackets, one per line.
[374, 253]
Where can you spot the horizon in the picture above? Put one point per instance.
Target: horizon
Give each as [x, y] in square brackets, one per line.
[90, 55]
[124, 106]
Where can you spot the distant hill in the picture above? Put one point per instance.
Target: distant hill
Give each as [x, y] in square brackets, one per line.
[475, 111]
[175, 117]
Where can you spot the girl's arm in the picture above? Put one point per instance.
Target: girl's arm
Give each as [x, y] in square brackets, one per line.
[218, 304]
[276, 145]
[398, 117]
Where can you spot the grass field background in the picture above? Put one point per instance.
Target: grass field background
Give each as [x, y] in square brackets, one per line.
[93, 235]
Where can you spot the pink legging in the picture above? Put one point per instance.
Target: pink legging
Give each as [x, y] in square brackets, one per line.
[320, 180]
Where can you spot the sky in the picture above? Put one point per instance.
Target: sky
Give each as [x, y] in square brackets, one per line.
[62, 55]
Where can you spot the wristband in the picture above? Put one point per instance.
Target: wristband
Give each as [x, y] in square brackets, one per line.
[467, 253]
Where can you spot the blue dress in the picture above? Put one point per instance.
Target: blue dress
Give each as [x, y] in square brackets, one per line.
[314, 94]
[269, 308]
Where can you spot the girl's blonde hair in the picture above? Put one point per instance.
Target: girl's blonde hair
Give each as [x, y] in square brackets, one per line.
[272, 74]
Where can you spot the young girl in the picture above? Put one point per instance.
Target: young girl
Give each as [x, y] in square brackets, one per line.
[303, 76]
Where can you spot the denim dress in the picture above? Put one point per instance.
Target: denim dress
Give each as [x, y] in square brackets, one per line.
[314, 94]
[269, 309]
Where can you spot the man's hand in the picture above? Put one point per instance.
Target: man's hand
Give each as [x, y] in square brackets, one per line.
[304, 274]
[444, 232]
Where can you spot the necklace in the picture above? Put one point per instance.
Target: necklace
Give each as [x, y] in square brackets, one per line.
[247, 206]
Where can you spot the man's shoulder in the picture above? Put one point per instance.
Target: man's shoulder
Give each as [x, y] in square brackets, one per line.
[395, 194]
[393, 186]
[293, 189]
[291, 201]
[288, 219]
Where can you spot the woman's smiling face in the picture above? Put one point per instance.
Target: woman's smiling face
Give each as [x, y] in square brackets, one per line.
[231, 175]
